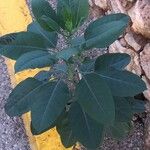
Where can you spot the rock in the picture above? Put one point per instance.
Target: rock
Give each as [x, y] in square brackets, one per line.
[131, 41]
[145, 60]
[140, 16]
[134, 66]
[97, 8]
[147, 92]
[101, 3]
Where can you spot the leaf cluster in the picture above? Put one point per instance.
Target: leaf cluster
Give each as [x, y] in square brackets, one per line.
[85, 99]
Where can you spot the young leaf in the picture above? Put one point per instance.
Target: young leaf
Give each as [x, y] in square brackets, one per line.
[19, 101]
[104, 31]
[112, 60]
[68, 53]
[49, 24]
[42, 8]
[122, 83]
[87, 131]
[35, 59]
[50, 37]
[93, 94]
[123, 110]
[72, 13]
[51, 99]
[15, 44]
[120, 130]
[65, 131]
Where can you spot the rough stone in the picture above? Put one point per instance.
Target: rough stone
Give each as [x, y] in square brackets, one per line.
[140, 16]
[131, 41]
[147, 92]
[145, 60]
[134, 66]
[101, 3]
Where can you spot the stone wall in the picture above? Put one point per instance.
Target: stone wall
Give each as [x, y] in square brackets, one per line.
[135, 41]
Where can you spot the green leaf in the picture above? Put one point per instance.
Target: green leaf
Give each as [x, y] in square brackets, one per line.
[51, 99]
[123, 109]
[43, 76]
[49, 24]
[20, 100]
[36, 132]
[87, 66]
[138, 106]
[68, 53]
[120, 130]
[50, 37]
[65, 131]
[112, 60]
[122, 83]
[86, 130]
[61, 68]
[42, 8]
[15, 44]
[78, 41]
[72, 13]
[35, 59]
[104, 31]
[94, 96]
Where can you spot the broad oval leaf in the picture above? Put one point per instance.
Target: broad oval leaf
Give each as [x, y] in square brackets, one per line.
[72, 13]
[20, 101]
[123, 110]
[104, 31]
[37, 132]
[86, 130]
[49, 24]
[122, 83]
[112, 60]
[120, 130]
[65, 131]
[65, 54]
[44, 76]
[42, 8]
[35, 59]
[50, 37]
[87, 66]
[138, 106]
[93, 94]
[51, 99]
[78, 41]
[15, 44]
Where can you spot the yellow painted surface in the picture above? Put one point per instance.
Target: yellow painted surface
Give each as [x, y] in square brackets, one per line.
[14, 17]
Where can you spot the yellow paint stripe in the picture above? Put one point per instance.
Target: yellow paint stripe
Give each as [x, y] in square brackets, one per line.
[14, 17]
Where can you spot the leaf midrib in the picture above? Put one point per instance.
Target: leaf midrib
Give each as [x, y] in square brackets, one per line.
[95, 97]
[32, 60]
[49, 101]
[45, 36]
[115, 79]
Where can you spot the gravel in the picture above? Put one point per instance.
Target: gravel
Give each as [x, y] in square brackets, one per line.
[12, 132]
